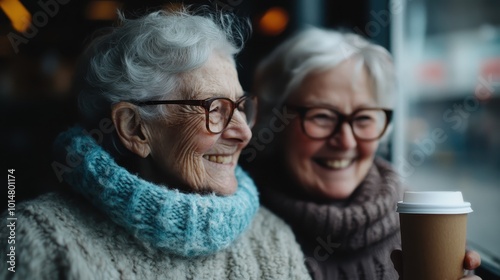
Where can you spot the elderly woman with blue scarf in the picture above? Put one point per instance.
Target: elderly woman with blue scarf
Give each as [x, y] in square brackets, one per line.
[156, 191]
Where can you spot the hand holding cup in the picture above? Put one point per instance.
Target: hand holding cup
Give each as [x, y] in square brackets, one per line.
[433, 235]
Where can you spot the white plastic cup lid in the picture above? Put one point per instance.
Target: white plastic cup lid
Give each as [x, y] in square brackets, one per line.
[433, 202]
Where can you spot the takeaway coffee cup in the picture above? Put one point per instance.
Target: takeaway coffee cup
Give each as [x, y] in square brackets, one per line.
[433, 230]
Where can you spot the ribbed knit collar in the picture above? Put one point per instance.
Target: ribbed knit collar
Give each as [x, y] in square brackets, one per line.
[162, 218]
[367, 217]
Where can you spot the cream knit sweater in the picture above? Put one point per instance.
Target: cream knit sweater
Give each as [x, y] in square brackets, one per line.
[61, 236]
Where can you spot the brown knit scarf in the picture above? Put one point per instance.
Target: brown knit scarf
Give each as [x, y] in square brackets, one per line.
[349, 239]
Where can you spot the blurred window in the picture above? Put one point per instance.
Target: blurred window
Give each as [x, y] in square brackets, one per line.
[449, 63]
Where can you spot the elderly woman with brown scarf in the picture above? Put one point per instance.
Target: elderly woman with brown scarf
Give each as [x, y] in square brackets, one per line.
[325, 102]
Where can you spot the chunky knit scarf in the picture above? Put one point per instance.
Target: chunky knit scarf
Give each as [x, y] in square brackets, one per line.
[349, 239]
[179, 223]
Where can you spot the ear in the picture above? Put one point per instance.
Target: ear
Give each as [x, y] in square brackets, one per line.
[130, 129]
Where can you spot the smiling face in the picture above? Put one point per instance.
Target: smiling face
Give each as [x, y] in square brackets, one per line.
[181, 146]
[335, 166]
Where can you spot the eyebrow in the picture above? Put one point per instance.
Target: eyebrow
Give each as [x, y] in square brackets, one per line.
[195, 95]
[206, 95]
[337, 108]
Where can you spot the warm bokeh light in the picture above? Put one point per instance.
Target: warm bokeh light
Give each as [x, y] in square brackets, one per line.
[432, 72]
[491, 67]
[102, 10]
[173, 7]
[17, 13]
[274, 21]
[5, 46]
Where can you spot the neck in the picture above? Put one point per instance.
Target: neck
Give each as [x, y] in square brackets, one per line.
[148, 170]
[355, 222]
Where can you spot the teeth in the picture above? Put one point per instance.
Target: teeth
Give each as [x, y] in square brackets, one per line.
[218, 159]
[338, 163]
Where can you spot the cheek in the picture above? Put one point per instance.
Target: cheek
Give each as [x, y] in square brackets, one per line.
[192, 141]
[367, 150]
[182, 145]
[298, 148]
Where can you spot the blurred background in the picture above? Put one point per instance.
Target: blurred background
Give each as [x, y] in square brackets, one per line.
[447, 52]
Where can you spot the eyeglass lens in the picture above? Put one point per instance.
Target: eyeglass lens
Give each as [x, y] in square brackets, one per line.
[366, 124]
[221, 111]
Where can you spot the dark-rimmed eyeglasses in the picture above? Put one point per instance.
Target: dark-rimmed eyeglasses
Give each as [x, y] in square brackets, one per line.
[218, 110]
[367, 124]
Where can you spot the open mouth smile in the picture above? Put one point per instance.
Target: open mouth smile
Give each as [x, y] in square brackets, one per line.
[222, 159]
[334, 163]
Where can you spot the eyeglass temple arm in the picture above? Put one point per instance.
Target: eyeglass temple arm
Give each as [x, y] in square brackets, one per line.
[160, 102]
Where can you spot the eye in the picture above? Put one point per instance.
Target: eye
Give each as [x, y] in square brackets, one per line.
[365, 119]
[214, 109]
[321, 117]
[216, 106]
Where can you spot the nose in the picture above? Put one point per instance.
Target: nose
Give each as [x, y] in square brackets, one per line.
[344, 139]
[238, 128]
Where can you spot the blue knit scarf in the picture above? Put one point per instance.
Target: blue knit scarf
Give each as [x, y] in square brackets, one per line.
[179, 223]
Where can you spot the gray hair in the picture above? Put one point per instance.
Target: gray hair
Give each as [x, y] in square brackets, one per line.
[314, 49]
[143, 59]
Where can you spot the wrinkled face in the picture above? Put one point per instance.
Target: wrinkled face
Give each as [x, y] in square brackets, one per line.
[181, 145]
[333, 167]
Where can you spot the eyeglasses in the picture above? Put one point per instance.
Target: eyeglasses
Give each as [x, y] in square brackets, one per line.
[218, 110]
[321, 123]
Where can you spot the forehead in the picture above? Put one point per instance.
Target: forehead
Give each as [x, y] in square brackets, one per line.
[216, 78]
[348, 86]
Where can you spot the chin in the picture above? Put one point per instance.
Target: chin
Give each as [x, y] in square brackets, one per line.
[226, 188]
[337, 192]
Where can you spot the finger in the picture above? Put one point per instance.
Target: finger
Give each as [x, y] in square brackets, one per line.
[397, 261]
[472, 260]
